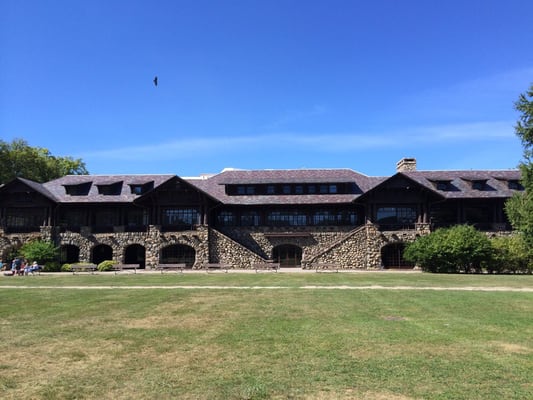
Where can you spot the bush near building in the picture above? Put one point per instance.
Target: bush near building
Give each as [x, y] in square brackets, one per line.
[44, 252]
[510, 255]
[451, 250]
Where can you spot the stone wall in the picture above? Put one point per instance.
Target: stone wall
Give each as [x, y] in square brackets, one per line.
[154, 240]
[349, 249]
[240, 247]
[223, 249]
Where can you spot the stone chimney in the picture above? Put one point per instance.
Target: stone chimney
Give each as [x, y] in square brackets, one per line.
[406, 165]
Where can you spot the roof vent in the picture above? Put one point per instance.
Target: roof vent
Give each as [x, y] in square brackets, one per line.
[406, 165]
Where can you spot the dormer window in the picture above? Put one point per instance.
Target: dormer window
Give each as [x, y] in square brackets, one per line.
[480, 184]
[444, 185]
[80, 189]
[289, 189]
[141, 188]
[113, 189]
[515, 185]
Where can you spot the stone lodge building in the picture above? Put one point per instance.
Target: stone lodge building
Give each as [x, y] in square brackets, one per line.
[240, 217]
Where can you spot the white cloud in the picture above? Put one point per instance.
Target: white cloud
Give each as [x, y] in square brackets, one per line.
[334, 143]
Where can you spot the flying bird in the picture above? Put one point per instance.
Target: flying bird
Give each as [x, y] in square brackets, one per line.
[155, 81]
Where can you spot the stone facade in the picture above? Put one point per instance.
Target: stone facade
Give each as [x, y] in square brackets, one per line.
[237, 217]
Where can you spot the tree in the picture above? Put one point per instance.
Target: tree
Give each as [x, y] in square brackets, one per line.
[19, 159]
[519, 208]
[40, 251]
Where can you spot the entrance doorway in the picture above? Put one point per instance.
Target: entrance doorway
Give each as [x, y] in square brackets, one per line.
[178, 254]
[101, 252]
[392, 256]
[135, 254]
[288, 255]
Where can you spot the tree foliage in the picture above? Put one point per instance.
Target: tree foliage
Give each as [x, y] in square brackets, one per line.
[450, 250]
[40, 251]
[510, 255]
[519, 208]
[19, 159]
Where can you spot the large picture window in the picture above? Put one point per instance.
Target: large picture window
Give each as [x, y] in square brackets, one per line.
[405, 215]
[335, 217]
[287, 218]
[25, 217]
[180, 216]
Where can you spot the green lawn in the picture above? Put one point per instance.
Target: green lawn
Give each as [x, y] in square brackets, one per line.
[261, 343]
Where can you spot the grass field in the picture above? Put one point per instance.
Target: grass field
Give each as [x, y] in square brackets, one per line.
[166, 342]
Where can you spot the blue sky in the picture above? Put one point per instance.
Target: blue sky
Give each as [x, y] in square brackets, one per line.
[266, 84]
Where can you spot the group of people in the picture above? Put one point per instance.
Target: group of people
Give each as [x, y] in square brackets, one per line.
[20, 266]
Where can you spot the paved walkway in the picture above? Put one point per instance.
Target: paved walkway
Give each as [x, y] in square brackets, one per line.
[307, 287]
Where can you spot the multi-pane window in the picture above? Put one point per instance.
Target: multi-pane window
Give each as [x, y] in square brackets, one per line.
[24, 217]
[136, 218]
[250, 218]
[396, 215]
[335, 217]
[106, 217]
[226, 218]
[287, 218]
[74, 217]
[180, 216]
[289, 189]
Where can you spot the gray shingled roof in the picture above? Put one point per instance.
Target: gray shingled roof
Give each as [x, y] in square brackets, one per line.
[215, 185]
[461, 182]
[57, 187]
[497, 185]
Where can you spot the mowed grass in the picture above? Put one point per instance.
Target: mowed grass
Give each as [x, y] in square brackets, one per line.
[288, 343]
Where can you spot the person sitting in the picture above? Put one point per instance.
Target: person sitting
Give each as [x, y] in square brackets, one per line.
[30, 269]
[16, 266]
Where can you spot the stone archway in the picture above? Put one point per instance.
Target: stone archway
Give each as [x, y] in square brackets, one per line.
[69, 254]
[101, 252]
[392, 256]
[288, 255]
[178, 254]
[135, 254]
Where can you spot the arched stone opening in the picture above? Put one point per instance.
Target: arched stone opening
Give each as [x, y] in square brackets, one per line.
[178, 254]
[135, 254]
[392, 256]
[288, 255]
[101, 252]
[69, 254]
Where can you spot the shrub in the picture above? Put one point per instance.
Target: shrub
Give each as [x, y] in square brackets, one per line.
[458, 249]
[510, 255]
[106, 265]
[52, 266]
[66, 268]
[40, 251]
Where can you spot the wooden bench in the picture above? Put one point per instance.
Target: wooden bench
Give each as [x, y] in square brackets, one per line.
[83, 268]
[266, 266]
[169, 267]
[121, 267]
[216, 266]
[322, 267]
